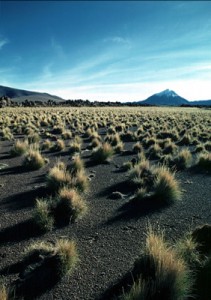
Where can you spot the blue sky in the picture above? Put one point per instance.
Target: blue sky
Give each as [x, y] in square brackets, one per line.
[107, 50]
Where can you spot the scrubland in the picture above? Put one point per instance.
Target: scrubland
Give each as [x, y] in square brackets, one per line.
[105, 203]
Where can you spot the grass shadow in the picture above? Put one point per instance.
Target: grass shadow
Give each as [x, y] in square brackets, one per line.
[14, 170]
[36, 275]
[57, 153]
[91, 163]
[135, 209]
[115, 290]
[121, 187]
[24, 199]
[6, 156]
[19, 232]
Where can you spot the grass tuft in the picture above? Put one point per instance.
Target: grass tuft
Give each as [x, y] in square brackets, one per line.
[204, 161]
[102, 153]
[42, 215]
[166, 187]
[33, 160]
[159, 273]
[70, 206]
[19, 148]
[68, 256]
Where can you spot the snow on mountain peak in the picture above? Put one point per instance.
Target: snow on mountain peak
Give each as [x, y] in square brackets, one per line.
[167, 93]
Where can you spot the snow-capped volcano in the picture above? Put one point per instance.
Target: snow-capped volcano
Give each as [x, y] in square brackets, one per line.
[167, 93]
[166, 97]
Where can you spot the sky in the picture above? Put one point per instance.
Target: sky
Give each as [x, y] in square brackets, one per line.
[107, 50]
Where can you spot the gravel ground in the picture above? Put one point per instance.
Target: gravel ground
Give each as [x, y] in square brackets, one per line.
[108, 238]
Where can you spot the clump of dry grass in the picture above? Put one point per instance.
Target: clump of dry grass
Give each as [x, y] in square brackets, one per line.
[154, 151]
[159, 273]
[204, 161]
[58, 176]
[183, 159]
[66, 134]
[113, 139]
[59, 145]
[141, 174]
[102, 153]
[43, 215]
[80, 181]
[166, 187]
[186, 248]
[63, 255]
[46, 145]
[33, 138]
[6, 134]
[77, 164]
[69, 206]
[169, 147]
[186, 140]
[68, 256]
[137, 147]
[119, 147]
[95, 143]
[3, 292]
[33, 159]
[19, 148]
[75, 146]
[126, 166]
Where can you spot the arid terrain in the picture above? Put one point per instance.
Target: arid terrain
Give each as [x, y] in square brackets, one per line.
[119, 186]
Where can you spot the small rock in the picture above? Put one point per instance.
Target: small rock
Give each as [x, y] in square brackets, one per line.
[117, 195]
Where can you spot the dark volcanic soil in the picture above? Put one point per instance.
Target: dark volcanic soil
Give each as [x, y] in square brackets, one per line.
[108, 238]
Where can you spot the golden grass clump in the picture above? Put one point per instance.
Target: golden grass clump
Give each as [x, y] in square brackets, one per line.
[46, 145]
[19, 148]
[102, 153]
[80, 181]
[63, 256]
[58, 176]
[3, 292]
[59, 145]
[166, 187]
[43, 215]
[183, 159]
[159, 273]
[77, 164]
[141, 174]
[75, 146]
[68, 256]
[33, 160]
[66, 134]
[70, 206]
[33, 138]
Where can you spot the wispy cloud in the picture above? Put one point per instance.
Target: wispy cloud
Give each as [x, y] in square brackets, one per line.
[47, 72]
[57, 48]
[3, 42]
[118, 40]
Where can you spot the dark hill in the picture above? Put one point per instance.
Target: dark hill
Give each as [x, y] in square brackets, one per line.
[21, 95]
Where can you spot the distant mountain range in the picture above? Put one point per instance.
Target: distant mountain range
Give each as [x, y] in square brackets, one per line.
[21, 95]
[170, 98]
[164, 98]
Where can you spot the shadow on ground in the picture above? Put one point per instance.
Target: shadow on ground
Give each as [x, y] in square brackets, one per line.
[135, 209]
[122, 187]
[19, 232]
[37, 274]
[14, 170]
[25, 199]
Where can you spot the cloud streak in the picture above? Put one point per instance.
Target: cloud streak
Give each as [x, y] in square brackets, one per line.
[3, 42]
